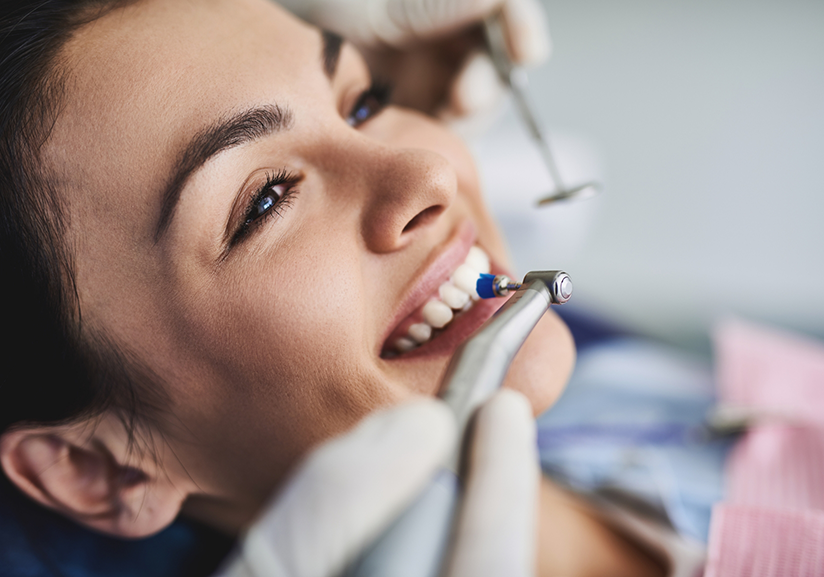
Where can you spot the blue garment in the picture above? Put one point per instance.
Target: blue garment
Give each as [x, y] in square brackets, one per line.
[631, 419]
[35, 542]
[587, 329]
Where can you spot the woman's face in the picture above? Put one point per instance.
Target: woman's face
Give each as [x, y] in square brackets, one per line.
[254, 230]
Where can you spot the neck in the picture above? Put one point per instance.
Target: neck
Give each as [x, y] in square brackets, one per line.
[228, 517]
[573, 540]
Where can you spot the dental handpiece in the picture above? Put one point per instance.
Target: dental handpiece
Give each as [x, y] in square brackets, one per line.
[416, 543]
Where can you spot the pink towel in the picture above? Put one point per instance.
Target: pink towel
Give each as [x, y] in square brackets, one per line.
[762, 542]
[772, 523]
[768, 368]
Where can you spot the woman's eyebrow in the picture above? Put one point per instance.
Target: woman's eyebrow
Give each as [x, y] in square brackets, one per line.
[331, 52]
[226, 133]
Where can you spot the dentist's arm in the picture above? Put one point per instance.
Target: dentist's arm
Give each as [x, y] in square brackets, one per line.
[433, 50]
[351, 488]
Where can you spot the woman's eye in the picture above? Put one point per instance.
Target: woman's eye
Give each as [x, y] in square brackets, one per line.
[371, 101]
[271, 199]
[266, 202]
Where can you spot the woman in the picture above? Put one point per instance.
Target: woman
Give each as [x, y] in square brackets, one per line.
[225, 233]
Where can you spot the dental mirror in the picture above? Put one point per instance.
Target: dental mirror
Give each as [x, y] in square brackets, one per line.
[516, 80]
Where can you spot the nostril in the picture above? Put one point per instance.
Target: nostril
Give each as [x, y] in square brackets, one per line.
[423, 218]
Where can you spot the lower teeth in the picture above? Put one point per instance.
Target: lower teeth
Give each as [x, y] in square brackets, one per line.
[420, 333]
[458, 294]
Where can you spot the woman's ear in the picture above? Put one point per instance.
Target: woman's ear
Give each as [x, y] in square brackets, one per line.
[88, 473]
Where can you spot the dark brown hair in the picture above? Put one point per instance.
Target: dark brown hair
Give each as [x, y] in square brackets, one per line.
[54, 369]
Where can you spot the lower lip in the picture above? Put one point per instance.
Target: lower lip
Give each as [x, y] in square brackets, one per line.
[456, 332]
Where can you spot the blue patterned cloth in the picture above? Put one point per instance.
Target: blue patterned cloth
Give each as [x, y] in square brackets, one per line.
[631, 419]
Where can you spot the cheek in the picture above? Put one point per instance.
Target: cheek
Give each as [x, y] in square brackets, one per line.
[285, 331]
[542, 367]
[297, 321]
[284, 364]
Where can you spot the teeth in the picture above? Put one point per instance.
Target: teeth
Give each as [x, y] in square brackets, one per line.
[457, 294]
[436, 314]
[478, 260]
[420, 332]
[405, 345]
[453, 296]
[465, 278]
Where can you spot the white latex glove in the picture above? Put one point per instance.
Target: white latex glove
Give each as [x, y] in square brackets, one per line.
[352, 487]
[398, 23]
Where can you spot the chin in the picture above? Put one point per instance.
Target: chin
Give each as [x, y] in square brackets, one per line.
[542, 367]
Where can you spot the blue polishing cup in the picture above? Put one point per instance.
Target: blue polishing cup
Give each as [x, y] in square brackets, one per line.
[486, 286]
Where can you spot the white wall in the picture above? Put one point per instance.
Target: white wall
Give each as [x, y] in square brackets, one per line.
[705, 121]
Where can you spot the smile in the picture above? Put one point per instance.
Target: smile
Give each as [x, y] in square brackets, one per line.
[454, 302]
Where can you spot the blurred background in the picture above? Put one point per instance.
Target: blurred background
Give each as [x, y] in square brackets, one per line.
[704, 120]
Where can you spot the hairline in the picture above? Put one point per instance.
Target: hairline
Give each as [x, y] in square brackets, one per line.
[44, 90]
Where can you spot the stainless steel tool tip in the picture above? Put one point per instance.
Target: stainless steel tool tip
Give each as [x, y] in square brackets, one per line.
[580, 192]
[516, 79]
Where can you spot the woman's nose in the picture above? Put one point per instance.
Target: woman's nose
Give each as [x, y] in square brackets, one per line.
[407, 189]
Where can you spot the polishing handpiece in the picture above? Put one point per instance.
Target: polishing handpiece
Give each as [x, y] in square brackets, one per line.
[491, 286]
[415, 545]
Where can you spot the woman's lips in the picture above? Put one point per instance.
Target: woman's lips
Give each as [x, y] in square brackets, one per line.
[432, 274]
[442, 308]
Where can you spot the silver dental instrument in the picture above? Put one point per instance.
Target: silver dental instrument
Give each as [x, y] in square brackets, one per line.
[514, 77]
[416, 543]
[491, 286]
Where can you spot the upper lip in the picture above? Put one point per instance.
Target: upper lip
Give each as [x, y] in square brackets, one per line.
[433, 273]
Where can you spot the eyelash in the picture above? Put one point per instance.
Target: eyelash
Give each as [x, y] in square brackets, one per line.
[372, 100]
[251, 220]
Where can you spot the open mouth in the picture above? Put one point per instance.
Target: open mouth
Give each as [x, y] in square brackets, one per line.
[453, 308]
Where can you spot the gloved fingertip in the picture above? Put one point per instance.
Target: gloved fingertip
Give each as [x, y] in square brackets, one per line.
[510, 413]
[534, 49]
[477, 87]
[397, 21]
[527, 32]
[421, 431]
[431, 418]
[501, 492]
[510, 404]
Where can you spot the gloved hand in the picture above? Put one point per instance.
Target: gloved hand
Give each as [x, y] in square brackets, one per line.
[430, 50]
[352, 487]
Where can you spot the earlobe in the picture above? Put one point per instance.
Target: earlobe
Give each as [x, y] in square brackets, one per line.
[85, 481]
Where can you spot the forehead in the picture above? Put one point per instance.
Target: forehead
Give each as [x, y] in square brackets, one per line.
[165, 51]
[144, 78]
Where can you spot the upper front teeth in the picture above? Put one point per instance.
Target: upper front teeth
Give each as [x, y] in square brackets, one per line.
[455, 294]
[478, 260]
[465, 278]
